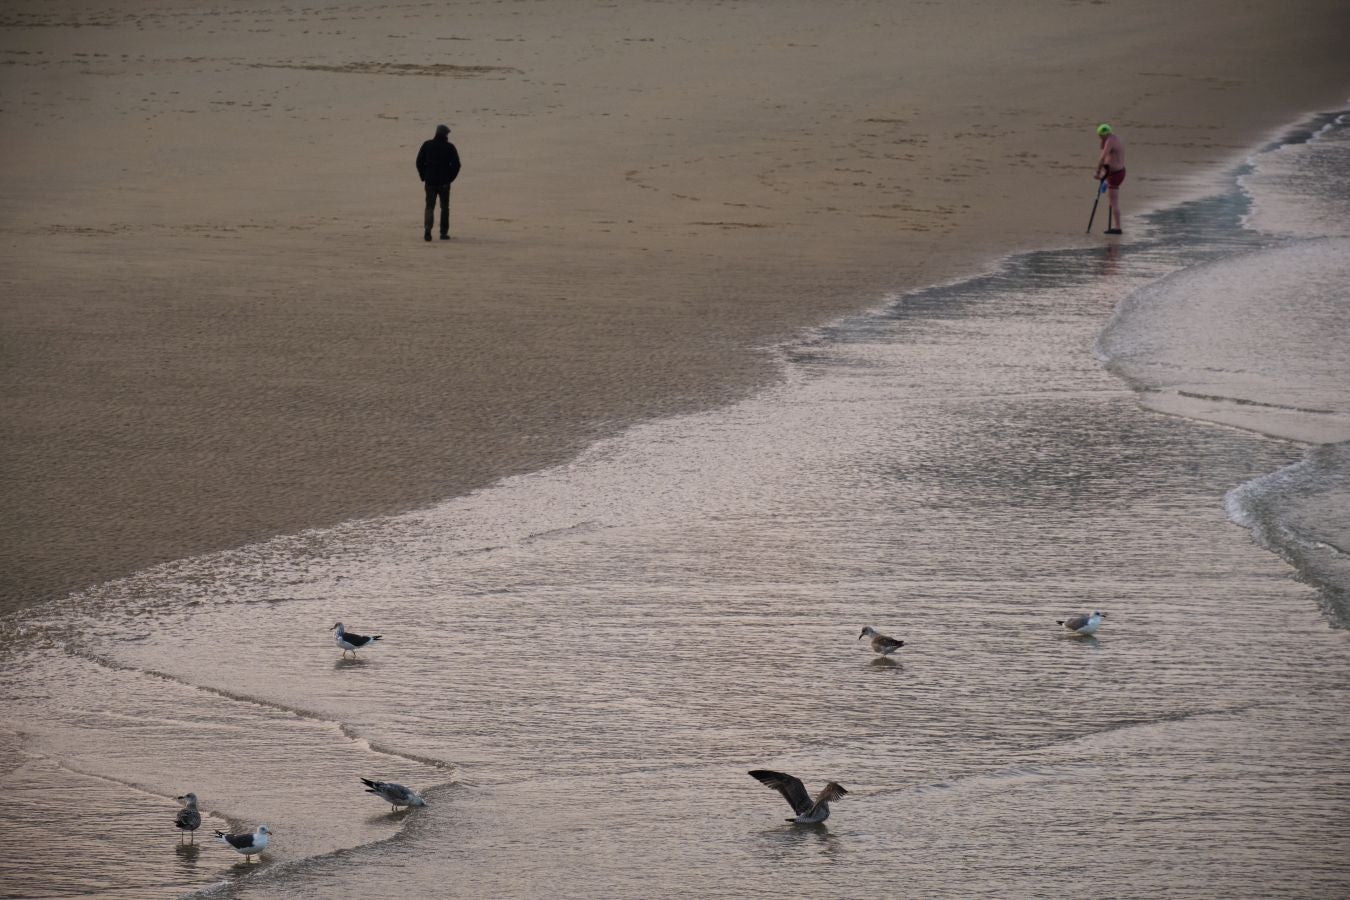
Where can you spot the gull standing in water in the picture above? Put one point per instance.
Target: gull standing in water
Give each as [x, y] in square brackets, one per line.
[247, 844]
[189, 818]
[880, 642]
[809, 812]
[1083, 624]
[350, 641]
[395, 794]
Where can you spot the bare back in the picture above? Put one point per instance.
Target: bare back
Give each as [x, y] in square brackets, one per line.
[1113, 153]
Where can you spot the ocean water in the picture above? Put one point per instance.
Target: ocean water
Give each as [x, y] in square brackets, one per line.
[580, 665]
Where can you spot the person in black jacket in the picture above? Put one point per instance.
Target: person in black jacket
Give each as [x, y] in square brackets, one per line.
[438, 166]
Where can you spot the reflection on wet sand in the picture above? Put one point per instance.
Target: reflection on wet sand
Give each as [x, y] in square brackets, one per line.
[957, 458]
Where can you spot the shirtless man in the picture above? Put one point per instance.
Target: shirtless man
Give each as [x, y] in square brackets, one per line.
[1111, 166]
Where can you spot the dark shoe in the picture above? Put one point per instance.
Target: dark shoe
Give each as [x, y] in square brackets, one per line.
[427, 236]
[445, 236]
[1114, 231]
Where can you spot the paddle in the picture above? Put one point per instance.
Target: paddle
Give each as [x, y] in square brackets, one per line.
[1101, 189]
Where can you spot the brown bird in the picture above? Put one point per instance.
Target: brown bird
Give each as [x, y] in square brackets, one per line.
[189, 819]
[809, 812]
[880, 642]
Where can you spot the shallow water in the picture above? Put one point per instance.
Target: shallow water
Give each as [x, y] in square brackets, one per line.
[581, 664]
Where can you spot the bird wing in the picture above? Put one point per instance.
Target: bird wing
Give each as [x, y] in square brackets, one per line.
[792, 789]
[237, 841]
[394, 793]
[1076, 622]
[188, 819]
[828, 794]
[356, 640]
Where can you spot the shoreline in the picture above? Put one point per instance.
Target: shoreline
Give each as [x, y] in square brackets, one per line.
[776, 358]
[1288, 511]
[1277, 416]
[193, 376]
[177, 634]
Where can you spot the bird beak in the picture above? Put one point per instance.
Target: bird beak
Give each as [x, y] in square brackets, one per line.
[334, 628]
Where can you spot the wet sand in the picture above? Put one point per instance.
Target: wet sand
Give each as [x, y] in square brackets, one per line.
[221, 322]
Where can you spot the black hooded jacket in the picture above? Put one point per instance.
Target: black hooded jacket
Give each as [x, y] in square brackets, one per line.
[438, 161]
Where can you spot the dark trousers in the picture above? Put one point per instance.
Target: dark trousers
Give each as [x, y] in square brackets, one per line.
[434, 191]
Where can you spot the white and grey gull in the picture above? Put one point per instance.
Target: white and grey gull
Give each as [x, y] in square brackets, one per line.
[350, 641]
[883, 644]
[394, 794]
[189, 818]
[809, 811]
[248, 844]
[1083, 624]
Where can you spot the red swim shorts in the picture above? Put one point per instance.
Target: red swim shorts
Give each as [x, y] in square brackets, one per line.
[1115, 179]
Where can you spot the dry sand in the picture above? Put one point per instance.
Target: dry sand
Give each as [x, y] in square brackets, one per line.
[220, 321]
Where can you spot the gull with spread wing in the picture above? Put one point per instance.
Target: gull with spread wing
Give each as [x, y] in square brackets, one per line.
[809, 811]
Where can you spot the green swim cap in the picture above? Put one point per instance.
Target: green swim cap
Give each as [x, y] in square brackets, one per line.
[1103, 129]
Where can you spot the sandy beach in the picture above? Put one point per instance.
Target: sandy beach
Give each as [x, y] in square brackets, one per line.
[220, 321]
[762, 323]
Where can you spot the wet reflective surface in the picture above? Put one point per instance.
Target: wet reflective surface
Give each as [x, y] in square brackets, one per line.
[579, 666]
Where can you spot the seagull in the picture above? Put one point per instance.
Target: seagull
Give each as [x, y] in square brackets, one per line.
[809, 812]
[396, 794]
[1083, 624]
[350, 641]
[247, 844]
[880, 642]
[188, 818]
